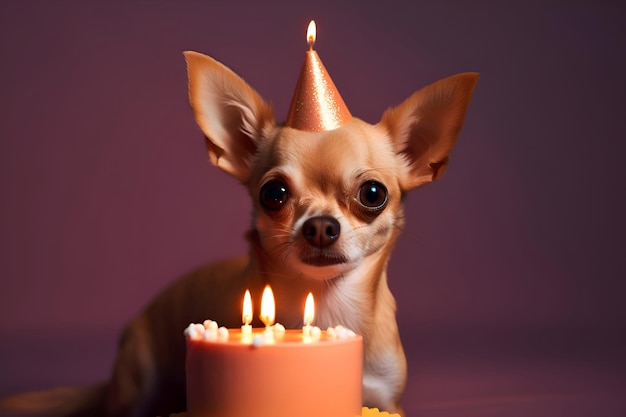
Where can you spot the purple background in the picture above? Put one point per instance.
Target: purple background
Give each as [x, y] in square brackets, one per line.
[509, 276]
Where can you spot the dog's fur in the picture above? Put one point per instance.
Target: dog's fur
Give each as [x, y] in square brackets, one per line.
[327, 211]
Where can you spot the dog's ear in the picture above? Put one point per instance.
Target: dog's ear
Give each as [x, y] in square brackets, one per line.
[424, 128]
[232, 116]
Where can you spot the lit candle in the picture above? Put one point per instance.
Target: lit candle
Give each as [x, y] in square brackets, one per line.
[268, 312]
[316, 104]
[309, 315]
[246, 316]
[311, 33]
[310, 333]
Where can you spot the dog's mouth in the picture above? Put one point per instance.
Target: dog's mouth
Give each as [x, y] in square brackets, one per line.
[319, 258]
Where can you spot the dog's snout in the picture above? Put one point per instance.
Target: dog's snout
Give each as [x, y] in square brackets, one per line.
[321, 231]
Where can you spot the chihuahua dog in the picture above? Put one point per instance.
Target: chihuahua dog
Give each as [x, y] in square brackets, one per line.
[327, 209]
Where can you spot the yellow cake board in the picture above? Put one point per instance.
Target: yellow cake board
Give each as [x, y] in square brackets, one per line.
[365, 412]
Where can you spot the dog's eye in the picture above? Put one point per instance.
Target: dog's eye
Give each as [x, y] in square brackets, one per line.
[273, 195]
[373, 195]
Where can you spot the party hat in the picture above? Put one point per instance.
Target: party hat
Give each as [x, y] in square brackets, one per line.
[316, 104]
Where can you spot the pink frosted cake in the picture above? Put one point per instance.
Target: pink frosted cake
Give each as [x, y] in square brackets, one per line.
[231, 373]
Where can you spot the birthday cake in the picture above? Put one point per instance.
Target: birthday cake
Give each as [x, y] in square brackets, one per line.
[231, 373]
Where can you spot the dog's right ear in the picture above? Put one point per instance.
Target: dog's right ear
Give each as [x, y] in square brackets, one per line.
[424, 128]
[232, 116]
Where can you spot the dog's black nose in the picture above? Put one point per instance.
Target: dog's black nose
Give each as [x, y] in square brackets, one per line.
[321, 231]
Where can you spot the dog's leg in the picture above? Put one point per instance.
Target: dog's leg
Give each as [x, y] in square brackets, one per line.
[134, 385]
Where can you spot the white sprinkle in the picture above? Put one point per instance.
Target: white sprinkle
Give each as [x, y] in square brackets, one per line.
[340, 332]
[222, 334]
[331, 332]
[210, 335]
[316, 333]
[210, 325]
[257, 340]
[191, 332]
[278, 328]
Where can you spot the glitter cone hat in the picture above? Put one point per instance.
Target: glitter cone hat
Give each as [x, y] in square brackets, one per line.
[316, 104]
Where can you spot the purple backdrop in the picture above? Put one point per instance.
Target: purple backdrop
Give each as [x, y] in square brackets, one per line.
[509, 276]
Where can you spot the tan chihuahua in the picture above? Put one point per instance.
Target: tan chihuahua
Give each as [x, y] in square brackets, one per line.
[327, 212]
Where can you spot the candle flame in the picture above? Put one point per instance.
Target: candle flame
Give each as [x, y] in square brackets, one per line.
[268, 309]
[246, 315]
[311, 33]
[309, 310]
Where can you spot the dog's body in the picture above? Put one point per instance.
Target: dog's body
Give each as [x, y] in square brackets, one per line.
[327, 210]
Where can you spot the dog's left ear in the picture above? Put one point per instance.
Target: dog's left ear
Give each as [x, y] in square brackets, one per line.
[423, 129]
[232, 116]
